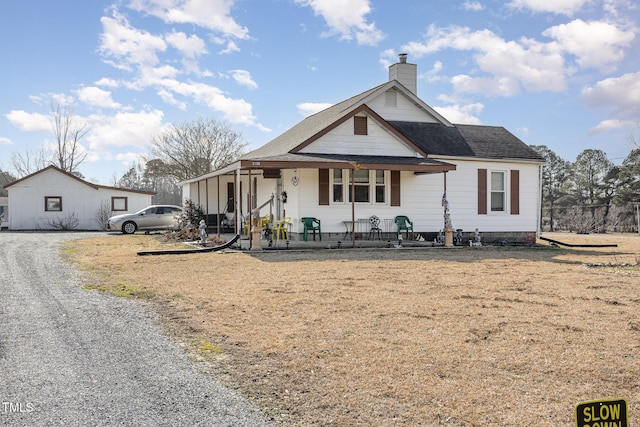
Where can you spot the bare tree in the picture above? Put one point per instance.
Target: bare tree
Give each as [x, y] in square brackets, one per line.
[67, 153]
[103, 214]
[68, 134]
[30, 161]
[196, 148]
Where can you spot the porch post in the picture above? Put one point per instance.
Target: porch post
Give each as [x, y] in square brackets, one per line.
[218, 205]
[353, 208]
[236, 202]
[250, 210]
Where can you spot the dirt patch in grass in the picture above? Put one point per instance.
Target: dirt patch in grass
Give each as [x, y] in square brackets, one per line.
[490, 336]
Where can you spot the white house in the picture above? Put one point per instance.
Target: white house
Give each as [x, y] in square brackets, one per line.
[385, 152]
[52, 199]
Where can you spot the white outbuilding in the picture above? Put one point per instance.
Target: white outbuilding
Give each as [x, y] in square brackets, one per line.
[52, 199]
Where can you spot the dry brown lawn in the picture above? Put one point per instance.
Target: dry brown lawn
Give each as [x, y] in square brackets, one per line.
[490, 336]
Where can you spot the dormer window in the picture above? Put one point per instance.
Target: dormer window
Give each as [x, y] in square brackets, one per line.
[360, 125]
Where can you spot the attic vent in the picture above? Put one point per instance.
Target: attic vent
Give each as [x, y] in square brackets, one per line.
[360, 125]
[390, 99]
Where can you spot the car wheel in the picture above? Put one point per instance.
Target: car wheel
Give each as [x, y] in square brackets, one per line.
[129, 227]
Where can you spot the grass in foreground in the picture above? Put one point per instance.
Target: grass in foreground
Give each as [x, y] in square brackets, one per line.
[468, 337]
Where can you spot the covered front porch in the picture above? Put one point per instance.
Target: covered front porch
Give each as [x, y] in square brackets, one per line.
[345, 194]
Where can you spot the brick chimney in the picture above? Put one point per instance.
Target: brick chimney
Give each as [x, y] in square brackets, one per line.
[406, 74]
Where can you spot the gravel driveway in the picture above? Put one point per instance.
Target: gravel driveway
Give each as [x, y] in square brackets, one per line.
[71, 357]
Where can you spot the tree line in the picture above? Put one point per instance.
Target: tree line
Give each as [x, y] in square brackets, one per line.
[591, 194]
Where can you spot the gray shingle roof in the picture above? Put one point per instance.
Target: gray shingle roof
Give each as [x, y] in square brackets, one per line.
[434, 138]
[490, 142]
[496, 142]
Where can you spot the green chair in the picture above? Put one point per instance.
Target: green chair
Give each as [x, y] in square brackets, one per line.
[404, 223]
[313, 225]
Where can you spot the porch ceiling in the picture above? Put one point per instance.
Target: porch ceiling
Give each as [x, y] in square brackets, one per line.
[328, 161]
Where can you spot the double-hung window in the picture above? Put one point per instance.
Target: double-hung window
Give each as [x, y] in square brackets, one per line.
[498, 192]
[361, 188]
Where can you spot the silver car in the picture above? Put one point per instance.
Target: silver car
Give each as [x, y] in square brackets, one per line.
[156, 217]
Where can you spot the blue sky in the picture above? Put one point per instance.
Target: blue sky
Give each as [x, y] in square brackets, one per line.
[561, 73]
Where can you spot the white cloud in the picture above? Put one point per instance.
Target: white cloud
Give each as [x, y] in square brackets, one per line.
[189, 46]
[97, 97]
[474, 6]
[347, 18]
[5, 141]
[432, 75]
[168, 98]
[243, 78]
[211, 14]
[61, 99]
[310, 108]
[595, 43]
[462, 114]
[130, 158]
[508, 65]
[29, 121]
[231, 47]
[387, 57]
[138, 51]
[611, 125]
[621, 94]
[149, 76]
[237, 111]
[132, 129]
[107, 82]
[127, 45]
[563, 7]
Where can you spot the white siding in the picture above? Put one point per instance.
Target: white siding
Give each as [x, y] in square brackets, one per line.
[341, 140]
[405, 109]
[421, 201]
[27, 201]
[462, 194]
